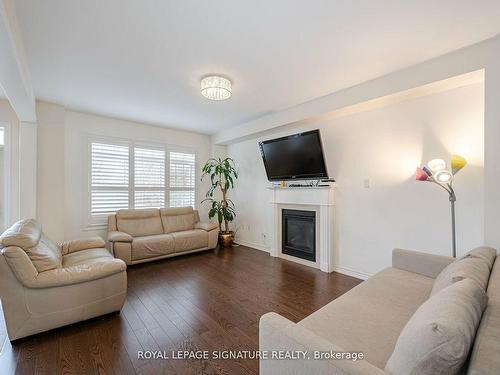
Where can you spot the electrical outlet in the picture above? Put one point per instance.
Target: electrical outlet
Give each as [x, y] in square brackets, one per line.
[367, 183]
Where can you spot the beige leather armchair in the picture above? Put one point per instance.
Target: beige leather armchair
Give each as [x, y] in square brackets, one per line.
[44, 285]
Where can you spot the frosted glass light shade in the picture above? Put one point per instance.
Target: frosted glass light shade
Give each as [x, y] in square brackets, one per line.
[436, 165]
[216, 88]
[443, 176]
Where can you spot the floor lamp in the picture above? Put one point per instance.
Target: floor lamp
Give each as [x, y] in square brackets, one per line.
[435, 171]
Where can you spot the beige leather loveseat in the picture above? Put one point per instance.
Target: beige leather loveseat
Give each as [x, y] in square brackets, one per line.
[44, 285]
[138, 236]
[426, 315]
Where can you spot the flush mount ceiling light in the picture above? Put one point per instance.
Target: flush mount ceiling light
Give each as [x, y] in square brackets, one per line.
[216, 88]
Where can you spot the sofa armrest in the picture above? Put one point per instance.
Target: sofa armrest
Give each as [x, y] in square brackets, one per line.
[82, 244]
[20, 264]
[429, 265]
[206, 226]
[115, 236]
[78, 274]
[277, 333]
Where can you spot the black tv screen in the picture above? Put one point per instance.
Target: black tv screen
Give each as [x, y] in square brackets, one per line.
[298, 156]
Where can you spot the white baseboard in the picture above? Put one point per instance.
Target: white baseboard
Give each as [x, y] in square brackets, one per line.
[252, 245]
[343, 270]
[350, 272]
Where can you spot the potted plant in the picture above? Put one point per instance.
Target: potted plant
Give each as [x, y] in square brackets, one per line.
[222, 174]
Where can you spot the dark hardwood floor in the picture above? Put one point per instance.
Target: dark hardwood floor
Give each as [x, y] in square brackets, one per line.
[205, 301]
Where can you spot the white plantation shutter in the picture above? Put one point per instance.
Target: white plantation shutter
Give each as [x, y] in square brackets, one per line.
[149, 176]
[128, 175]
[109, 178]
[182, 179]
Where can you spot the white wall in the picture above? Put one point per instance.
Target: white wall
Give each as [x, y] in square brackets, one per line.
[2, 189]
[8, 117]
[62, 165]
[384, 145]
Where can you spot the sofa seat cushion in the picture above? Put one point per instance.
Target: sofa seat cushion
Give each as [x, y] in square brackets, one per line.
[152, 246]
[86, 257]
[139, 222]
[178, 219]
[370, 317]
[190, 240]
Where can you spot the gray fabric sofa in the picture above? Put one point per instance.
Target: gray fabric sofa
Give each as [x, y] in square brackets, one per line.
[44, 285]
[371, 317]
[144, 235]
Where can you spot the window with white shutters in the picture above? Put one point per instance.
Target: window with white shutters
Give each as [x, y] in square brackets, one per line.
[149, 176]
[128, 175]
[109, 178]
[182, 179]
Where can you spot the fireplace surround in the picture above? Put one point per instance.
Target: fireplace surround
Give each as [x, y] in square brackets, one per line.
[318, 199]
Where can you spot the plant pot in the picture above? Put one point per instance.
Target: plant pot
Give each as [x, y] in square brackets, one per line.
[226, 239]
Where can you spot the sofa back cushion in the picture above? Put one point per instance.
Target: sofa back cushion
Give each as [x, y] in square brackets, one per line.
[24, 234]
[27, 235]
[139, 222]
[438, 337]
[485, 358]
[178, 219]
[475, 265]
[486, 253]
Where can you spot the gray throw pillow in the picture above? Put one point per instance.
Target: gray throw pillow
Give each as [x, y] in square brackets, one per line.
[487, 253]
[475, 265]
[438, 337]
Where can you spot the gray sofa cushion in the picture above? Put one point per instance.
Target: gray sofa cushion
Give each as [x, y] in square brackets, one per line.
[475, 265]
[438, 337]
[370, 317]
[487, 253]
[485, 358]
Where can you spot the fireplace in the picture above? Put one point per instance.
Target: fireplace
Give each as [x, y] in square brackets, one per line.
[299, 234]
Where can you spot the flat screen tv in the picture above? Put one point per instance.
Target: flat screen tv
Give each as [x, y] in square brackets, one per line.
[296, 157]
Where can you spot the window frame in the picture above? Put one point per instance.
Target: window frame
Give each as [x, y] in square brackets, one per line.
[94, 222]
[196, 183]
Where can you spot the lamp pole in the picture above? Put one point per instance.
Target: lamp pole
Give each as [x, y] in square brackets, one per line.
[435, 171]
[453, 198]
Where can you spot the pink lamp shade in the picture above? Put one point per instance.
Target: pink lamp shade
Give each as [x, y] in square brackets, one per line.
[420, 175]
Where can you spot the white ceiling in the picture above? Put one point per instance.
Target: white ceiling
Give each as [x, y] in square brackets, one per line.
[142, 60]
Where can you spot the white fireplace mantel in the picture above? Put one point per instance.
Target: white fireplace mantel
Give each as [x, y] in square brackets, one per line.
[316, 198]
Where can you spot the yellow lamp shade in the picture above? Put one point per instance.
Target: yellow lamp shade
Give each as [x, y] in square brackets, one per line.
[457, 163]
